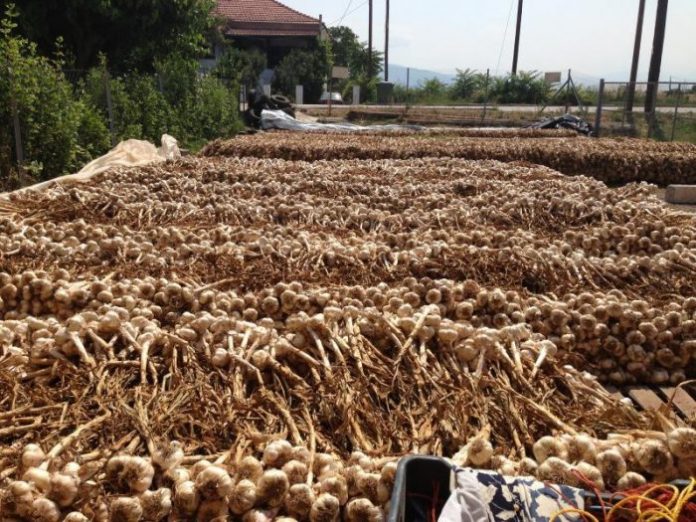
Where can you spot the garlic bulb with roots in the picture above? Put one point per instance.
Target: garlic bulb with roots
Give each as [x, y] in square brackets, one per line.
[612, 465]
[588, 472]
[130, 474]
[555, 470]
[362, 510]
[32, 456]
[277, 453]
[75, 516]
[214, 482]
[479, 450]
[547, 447]
[249, 468]
[682, 442]
[186, 497]
[156, 504]
[243, 497]
[325, 508]
[630, 480]
[40, 477]
[44, 510]
[296, 471]
[212, 510]
[335, 485]
[125, 509]
[653, 456]
[272, 487]
[299, 500]
[64, 488]
[169, 456]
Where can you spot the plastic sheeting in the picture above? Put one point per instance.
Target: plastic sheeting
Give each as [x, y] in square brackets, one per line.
[281, 120]
[129, 153]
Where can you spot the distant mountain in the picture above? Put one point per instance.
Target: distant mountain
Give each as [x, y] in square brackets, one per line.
[397, 74]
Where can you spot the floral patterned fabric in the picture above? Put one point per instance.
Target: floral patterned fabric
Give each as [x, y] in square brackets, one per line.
[483, 496]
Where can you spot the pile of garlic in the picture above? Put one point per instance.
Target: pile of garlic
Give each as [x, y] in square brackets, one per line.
[286, 482]
[610, 160]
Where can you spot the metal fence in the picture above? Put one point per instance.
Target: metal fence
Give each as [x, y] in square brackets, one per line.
[618, 113]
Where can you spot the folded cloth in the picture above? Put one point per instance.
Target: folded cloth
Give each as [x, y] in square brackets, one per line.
[484, 496]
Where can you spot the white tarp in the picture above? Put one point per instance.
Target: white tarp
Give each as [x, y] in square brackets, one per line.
[129, 153]
[283, 121]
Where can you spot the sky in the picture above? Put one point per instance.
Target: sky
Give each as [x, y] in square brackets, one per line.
[592, 37]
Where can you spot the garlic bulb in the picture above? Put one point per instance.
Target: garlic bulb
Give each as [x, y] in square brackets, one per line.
[272, 487]
[43, 510]
[653, 456]
[129, 473]
[361, 509]
[249, 468]
[325, 508]
[630, 481]
[277, 453]
[612, 465]
[243, 496]
[214, 482]
[32, 456]
[547, 447]
[126, 509]
[212, 510]
[299, 501]
[186, 497]
[682, 442]
[156, 504]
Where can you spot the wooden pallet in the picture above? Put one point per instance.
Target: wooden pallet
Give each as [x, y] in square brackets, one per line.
[681, 400]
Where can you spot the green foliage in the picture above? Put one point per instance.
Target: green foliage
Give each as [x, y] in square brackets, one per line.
[58, 132]
[132, 33]
[348, 51]
[467, 84]
[300, 67]
[242, 66]
[63, 127]
[525, 87]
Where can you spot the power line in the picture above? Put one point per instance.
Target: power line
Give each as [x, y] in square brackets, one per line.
[345, 13]
[502, 45]
[350, 12]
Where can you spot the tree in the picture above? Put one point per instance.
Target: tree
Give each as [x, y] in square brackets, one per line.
[433, 88]
[525, 87]
[301, 67]
[133, 34]
[345, 44]
[466, 84]
[240, 65]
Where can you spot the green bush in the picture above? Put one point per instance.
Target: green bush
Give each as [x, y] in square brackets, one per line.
[307, 68]
[524, 87]
[53, 123]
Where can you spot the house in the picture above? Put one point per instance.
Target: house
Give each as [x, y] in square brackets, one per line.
[269, 26]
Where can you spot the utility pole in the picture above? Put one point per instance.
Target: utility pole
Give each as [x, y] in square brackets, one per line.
[656, 57]
[630, 95]
[517, 37]
[369, 46]
[386, 45]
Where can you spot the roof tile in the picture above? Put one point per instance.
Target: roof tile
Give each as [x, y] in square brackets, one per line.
[264, 11]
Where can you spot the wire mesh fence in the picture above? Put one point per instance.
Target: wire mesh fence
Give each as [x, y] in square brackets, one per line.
[626, 109]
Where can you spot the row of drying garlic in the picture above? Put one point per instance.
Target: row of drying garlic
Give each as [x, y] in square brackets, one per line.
[288, 482]
[608, 160]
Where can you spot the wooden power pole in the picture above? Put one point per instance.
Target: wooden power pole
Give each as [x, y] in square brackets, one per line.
[656, 57]
[369, 45]
[631, 94]
[386, 45]
[516, 54]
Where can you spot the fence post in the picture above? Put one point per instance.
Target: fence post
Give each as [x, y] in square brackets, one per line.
[19, 150]
[485, 96]
[676, 112]
[598, 111]
[109, 106]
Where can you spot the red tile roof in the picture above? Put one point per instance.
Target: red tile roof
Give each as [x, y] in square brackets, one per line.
[265, 18]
